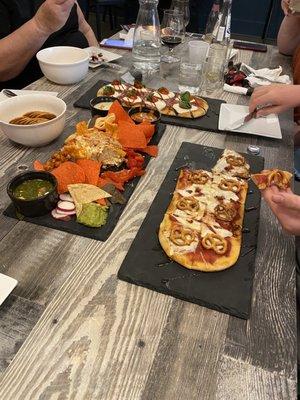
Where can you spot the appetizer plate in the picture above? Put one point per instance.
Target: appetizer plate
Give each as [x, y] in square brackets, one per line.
[107, 56]
[267, 126]
[25, 92]
[7, 284]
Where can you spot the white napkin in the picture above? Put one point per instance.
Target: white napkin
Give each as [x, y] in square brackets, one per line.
[235, 89]
[24, 92]
[265, 76]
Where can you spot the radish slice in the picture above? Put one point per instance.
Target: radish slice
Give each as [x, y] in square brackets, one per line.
[66, 206]
[56, 215]
[66, 197]
[61, 212]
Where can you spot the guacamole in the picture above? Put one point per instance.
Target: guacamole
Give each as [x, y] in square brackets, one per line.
[93, 215]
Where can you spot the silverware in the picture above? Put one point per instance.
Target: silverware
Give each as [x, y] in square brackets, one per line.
[9, 93]
[242, 121]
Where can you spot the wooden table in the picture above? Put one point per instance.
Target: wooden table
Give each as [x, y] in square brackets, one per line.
[71, 330]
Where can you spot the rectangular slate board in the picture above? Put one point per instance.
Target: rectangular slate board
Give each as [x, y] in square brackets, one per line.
[146, 264]
[115, 210]
[207, 123]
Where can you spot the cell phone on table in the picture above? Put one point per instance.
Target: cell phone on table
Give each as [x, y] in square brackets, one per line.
[250, 46]
[116, 43]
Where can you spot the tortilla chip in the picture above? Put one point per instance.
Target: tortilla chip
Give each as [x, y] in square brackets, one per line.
[151, 150]
[101, 121]
[86, 193]
[131, 136]
[66, 174]
[91, 169]
[38, 166]
[120, 113]
[148, 130]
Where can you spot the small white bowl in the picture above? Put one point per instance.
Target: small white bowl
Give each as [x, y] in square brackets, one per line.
[32, 135]
[64, 64]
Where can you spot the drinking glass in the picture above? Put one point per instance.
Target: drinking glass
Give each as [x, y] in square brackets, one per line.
[189, 77]
[182, 6]
[172, 33]
[214, 68]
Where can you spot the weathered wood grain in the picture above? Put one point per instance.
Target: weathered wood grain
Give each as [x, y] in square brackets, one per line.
[17, 318]
[104, 339]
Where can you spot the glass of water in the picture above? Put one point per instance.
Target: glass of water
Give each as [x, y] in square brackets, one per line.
[214, 68]
[189, 77]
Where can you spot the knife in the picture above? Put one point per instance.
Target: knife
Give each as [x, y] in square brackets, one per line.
[242, 121]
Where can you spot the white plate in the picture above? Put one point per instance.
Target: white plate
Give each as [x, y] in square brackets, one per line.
[266, 126]
[24, 92]
[107, 55]
[7, 284]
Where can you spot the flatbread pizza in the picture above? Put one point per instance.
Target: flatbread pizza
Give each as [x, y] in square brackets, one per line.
[202, 227]
[269, 177]
[169, 103]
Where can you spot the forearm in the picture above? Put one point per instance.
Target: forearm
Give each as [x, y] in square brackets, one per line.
[289, 35]
[18, 48]
[90, 36]
[85, 28]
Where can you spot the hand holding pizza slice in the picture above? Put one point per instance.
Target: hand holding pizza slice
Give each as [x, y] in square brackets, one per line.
[270, 177]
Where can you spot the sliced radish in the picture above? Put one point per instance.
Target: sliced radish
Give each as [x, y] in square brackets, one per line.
[66, 197]
[56, 215]
[66, 206]
[61, 212]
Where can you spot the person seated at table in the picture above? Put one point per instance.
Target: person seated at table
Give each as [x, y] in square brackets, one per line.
[29, 25]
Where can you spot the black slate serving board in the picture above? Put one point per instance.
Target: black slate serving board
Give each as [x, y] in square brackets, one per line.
[115, 210]
[207, 123]
[146, 264]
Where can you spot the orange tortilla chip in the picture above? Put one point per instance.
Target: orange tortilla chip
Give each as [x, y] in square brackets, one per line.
[68, 173]
[120, 113]
[104, 181]
[91, 169]
[102, 202]
[38, 166]
[131, 136]
[151, 150]
[148, 130]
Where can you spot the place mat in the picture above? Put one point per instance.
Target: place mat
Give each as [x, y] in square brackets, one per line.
[209, 122]
[115, 210]
[146, 264]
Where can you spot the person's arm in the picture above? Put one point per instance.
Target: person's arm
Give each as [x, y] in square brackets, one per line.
[279, 98]
[286, 207]
[86, 29]
[20, 46]
[288, 38]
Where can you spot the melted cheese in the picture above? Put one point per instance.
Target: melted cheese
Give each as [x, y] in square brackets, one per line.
[183, 249]
[191, 224]
[184, 110]
[171, 95]
[132, 101]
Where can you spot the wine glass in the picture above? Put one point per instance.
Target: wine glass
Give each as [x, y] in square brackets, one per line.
[172, 33]
[182, 6]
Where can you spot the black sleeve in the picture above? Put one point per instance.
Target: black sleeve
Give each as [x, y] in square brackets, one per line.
[5, 25]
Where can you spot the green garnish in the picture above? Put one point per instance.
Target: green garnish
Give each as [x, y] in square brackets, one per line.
[108, 91]
[184, 101]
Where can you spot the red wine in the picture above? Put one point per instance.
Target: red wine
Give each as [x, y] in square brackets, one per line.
[171, 41]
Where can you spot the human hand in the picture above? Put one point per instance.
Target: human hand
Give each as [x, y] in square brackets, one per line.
[286, 207]
[52, 15]
[285, 5]
[277, 98]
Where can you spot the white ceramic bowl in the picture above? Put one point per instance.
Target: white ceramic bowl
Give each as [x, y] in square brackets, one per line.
[32, 135]
[64, 64]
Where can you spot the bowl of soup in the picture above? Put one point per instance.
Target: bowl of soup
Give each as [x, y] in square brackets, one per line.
[141, 114]
[33, 193]
[100, 105]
